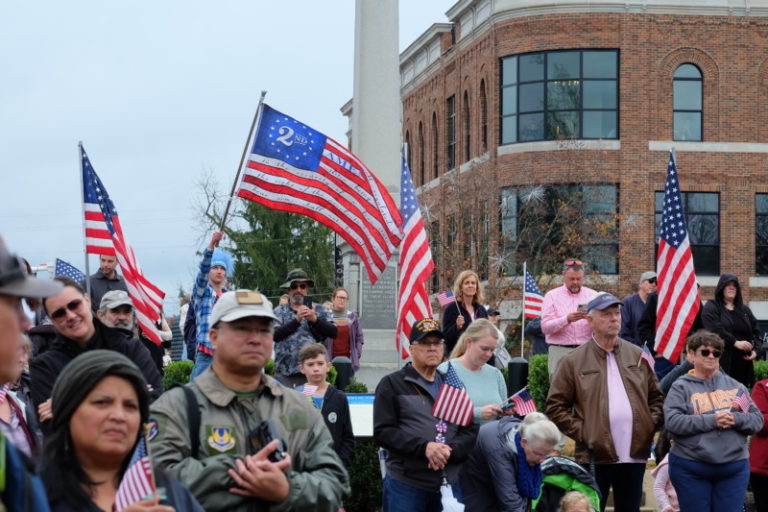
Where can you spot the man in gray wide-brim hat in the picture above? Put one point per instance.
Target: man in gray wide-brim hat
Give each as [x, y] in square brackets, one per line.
[300, 322]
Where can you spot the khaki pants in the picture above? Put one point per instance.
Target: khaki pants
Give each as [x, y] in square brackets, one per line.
[556, 353]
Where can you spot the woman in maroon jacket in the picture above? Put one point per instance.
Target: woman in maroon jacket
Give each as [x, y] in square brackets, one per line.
[758, 449]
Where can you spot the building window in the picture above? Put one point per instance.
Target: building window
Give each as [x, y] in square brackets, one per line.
[466, 128]
[435, 247]
[702, 214]
[483, 118]
[450, 132]
[422, 177]
[560, 95]
[435, 147]
[687, 103]
[408, 151]
[543, 225]
[761, 234]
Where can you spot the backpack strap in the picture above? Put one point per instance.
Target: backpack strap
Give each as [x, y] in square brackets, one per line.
[193, 417]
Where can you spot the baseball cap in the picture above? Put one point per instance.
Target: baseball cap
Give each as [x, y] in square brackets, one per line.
[239, 304]
[647, 276]
[115, 298]
[423, 328]
[493, 312]
[15, 281]
[603, 300]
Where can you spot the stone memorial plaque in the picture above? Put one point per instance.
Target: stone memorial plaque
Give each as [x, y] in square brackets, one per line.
[379, 302]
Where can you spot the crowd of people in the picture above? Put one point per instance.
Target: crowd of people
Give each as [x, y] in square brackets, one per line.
[235, 438]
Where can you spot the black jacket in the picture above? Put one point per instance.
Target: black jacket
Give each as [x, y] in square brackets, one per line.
[335, 413]
[450, 331]
[45, 368]
[739, 324]
[403, 425]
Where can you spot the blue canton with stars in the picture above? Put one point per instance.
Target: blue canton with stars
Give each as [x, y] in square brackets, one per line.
[673, 229]
[408, 203]
[530, 285]
[94, 192]
[283, 138]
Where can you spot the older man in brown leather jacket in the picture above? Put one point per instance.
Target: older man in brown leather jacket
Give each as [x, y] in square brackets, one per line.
[605, 396]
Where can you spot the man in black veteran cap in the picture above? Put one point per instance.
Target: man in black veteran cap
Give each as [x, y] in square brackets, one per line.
[420, 449]
[222, 460]
[604, 396]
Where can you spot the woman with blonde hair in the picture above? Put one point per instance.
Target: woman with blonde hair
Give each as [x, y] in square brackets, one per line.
[467, 306]
[484, 383]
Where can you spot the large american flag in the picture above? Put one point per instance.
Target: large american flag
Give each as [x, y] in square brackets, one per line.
[138, 481]
[415, 264]
[292, 167]
[104, 235]
[532, 297]
[453, 403]
[678, 291]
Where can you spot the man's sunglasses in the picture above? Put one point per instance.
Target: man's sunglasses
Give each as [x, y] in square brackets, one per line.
[652, 280]
[705, 352]
[574, 263]
[302, 286]
[61, 312]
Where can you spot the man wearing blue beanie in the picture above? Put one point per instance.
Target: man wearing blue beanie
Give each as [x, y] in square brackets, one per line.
[209, 286]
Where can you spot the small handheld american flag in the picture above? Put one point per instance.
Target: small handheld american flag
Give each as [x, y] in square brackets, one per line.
[453, 403]
[445, 298]
[742, 401]
[138, 482]
[524, 403]
[648, 357]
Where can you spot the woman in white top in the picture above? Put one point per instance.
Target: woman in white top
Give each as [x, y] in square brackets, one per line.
[484, 383]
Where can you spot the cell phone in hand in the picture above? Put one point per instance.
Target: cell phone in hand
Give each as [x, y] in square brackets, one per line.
[582, 308]
[507, 405]
[267, 432]
[308, 301]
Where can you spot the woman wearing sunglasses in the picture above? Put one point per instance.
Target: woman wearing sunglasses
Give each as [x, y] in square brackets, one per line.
[732, 320]
[77, 331]
[709, 416]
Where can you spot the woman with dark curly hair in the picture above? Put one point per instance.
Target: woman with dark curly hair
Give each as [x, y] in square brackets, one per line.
[100, 404]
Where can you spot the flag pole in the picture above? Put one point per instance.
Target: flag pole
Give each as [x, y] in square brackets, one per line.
[82, 206]
[242, 159]
[522, 317]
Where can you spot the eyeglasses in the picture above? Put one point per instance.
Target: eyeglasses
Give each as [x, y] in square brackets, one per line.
[705, 352]
[61, 312]
[302, 286]
[342, 297]
[574, 263]
[652, 280]
[429, 343]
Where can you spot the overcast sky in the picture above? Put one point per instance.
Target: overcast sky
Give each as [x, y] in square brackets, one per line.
[159, 93]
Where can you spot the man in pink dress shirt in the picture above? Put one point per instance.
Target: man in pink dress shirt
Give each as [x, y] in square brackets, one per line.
[564, 314]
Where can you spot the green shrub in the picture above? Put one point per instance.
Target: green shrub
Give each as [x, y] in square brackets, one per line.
[355, 386]
[761, 370]
[330, 377]
[269, 368]
[177, 373]
[538, 380]
[365, 479]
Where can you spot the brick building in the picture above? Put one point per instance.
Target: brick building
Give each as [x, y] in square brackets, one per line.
[514, 103]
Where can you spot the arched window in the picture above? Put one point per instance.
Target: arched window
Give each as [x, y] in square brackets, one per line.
[409, 150]
[422, 177]
[435, 147]
[687, 103]
[483, 118]
[465, 128]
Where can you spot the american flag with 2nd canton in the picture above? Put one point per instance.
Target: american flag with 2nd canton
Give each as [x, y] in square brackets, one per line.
[453, 403]
[678, 291]
[65, 269]
[138, 482]
[415, 264]
[294, 168]
[524, 403]
[104, 235]
[533, 299]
